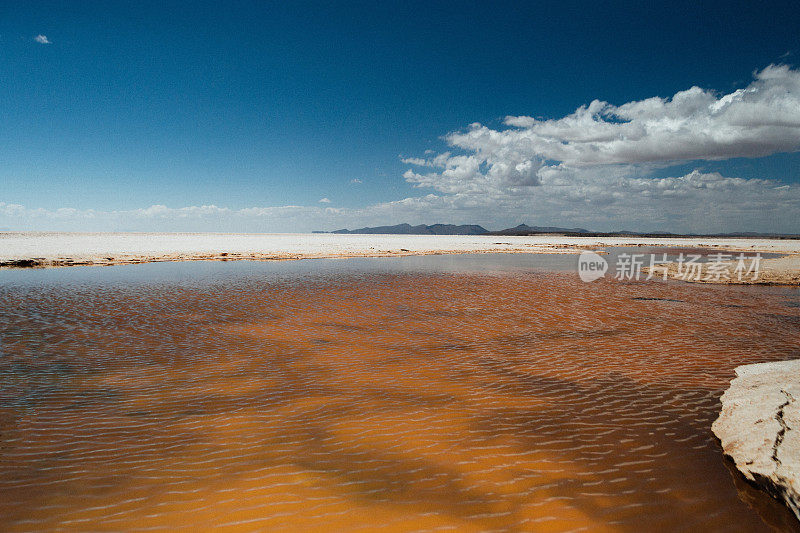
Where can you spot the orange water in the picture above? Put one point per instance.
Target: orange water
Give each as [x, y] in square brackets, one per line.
[403, 401]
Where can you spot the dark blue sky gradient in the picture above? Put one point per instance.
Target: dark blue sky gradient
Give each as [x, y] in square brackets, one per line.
[254, 103]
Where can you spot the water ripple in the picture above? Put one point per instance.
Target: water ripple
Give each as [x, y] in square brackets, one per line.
[408, 401]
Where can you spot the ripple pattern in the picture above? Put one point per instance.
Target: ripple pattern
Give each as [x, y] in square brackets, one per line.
[411, 402]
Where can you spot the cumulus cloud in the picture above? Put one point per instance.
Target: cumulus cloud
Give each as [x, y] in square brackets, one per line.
[595, 165]
[42, 39]
[695, 124]
[355, 181]
[324, 200]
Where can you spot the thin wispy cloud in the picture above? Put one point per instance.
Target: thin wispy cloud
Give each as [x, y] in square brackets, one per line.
[42, 39]
[694, 202]
[324, 200]
[355, 181]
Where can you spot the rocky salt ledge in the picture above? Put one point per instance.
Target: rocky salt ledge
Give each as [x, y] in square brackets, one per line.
[759, 427]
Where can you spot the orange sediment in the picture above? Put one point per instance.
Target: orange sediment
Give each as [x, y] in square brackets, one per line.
[520, 401]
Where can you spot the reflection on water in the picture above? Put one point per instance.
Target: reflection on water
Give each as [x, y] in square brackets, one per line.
[451, 392]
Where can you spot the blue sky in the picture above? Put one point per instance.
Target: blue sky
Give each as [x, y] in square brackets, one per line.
[257, 105]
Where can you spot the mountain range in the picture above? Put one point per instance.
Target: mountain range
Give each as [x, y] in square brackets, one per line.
[422, 229]
[452, 229]
[524, 229]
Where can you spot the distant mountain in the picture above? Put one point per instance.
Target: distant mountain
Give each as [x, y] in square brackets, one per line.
[422, 229]
[524, 229]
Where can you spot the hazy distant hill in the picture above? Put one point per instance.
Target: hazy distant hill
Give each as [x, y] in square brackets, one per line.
[524, 229]
[422, 229]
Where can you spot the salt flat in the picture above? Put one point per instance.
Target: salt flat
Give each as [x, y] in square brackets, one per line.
[61, 249]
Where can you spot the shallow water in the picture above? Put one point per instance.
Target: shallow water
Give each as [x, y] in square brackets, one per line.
[486, 392]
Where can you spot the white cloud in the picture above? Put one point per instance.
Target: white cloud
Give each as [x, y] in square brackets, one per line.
[42, 39]
[324, 200]
[355, 181]
[162, 218]
[595, 166]
[696, 124]
[418, 161]
[695, 202]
